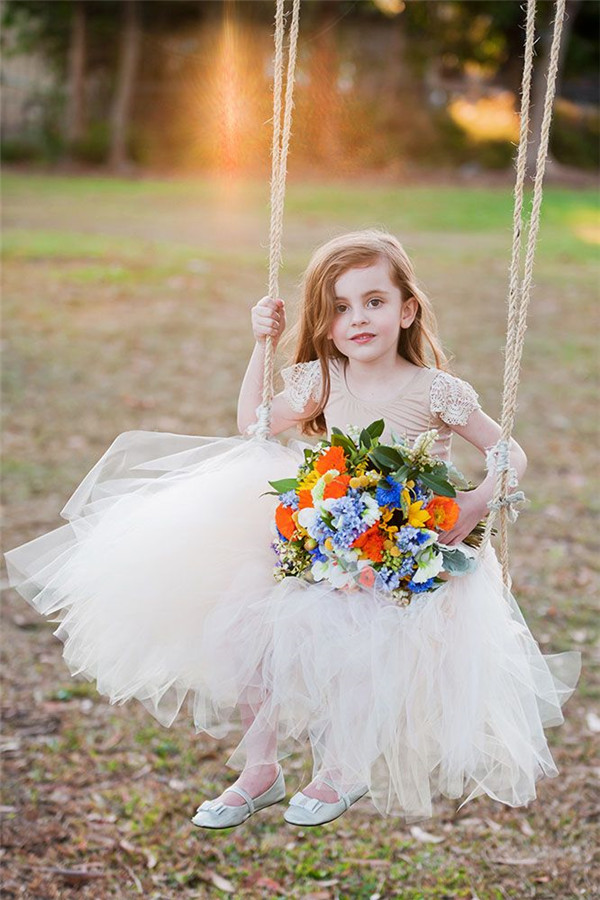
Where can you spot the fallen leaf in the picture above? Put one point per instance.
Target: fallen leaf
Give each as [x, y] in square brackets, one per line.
[272, 885]
[74, 876]
[527, 829]
[424, 836]
[593, 722]
[510, 861]
[219, 882]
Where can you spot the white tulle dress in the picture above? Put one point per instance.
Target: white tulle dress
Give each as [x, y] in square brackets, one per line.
[162, 586]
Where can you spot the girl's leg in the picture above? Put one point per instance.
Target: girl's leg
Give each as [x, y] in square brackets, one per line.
[260, 743]
[324, 766]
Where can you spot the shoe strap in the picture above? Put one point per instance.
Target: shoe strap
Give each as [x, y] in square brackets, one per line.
[246, 796]
[343, 797]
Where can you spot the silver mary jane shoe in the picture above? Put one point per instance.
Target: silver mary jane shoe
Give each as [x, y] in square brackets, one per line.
[308, 811]
[216, 814]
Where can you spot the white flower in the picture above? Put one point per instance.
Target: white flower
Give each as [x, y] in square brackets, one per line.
[429, 563]
[308, 519]
[332, 572]
[424, 441]
[372, 512]
[432, 537]
[347, 556]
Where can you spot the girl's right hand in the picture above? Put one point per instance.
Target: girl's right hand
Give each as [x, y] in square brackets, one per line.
[268, 319]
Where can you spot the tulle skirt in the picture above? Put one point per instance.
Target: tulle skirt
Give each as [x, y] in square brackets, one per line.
[162, 586]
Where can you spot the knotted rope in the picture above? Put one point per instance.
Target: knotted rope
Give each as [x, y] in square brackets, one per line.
[504, 503]
[281, 140]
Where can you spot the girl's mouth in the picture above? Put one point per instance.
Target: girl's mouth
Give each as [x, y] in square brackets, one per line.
[363, 338]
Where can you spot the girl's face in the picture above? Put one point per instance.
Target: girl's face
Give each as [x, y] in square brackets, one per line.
[369, 312]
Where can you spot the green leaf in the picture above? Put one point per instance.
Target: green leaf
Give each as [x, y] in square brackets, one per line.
[375, 429]
[340, 440]
[365, 439]
[456, 562]
[437, 485]
[284, 485]
[386, 457]
[335, 430]
[402, 474]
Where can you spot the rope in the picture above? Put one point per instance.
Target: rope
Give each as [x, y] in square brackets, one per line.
[279, 153]
[518, 297]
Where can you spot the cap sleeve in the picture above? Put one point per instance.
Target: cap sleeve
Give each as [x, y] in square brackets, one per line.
[302, 382]
[452, 398]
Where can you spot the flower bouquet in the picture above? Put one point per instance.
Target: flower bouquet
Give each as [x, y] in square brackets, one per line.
[363, 513]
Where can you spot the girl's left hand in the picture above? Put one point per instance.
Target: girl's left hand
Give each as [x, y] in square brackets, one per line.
[472, 510]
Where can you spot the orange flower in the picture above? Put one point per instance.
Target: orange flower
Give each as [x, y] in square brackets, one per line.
[306, 499]
[371, 543]
[367, 577]
[444, 512]
[284, 521]
[333, 459]
[336, 488]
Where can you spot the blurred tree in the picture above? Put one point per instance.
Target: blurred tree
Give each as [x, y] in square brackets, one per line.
[129, 52]
[76, 83]
[122, 66]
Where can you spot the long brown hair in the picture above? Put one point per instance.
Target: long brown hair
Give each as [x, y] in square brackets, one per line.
[328, 262]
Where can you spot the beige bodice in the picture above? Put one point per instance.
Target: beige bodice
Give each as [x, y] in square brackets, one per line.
[431, 398]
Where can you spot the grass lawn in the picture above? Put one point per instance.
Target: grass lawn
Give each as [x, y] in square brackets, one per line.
[126, 306]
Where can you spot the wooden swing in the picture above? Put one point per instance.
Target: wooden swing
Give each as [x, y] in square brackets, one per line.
[519, 289]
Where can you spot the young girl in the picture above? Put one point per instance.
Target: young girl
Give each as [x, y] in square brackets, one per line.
[163, 580]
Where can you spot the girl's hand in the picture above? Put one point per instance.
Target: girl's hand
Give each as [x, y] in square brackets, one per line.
[472, 510]
[268, 319]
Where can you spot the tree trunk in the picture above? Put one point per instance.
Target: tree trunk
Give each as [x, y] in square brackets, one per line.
[76, 90]
[129, 53]
[324, 70]
[540, 74]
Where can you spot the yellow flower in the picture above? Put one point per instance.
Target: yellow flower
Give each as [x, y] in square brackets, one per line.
[309, 481]
[416, 515]
[301, 531]
[394, 551]
[329, 544]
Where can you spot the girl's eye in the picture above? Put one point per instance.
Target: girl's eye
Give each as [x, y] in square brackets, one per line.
[340, 308]
[375, 300]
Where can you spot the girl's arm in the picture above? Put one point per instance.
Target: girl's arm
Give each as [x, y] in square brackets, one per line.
[483, 432]
[268, 318]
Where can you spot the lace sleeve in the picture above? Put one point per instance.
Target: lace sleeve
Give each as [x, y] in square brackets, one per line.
[302, 383]
[453, 399]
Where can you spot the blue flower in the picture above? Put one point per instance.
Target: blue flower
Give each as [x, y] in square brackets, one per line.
[407, 565]
[317, 555]
[290, 499]
[417, 588]
[420, 493]
[349, 523]
[387, 579]
[407, 538]
[388, 492]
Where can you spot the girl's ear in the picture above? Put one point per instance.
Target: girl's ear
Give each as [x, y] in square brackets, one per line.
[409, 311]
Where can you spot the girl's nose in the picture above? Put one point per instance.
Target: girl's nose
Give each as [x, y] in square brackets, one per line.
[359, 316]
